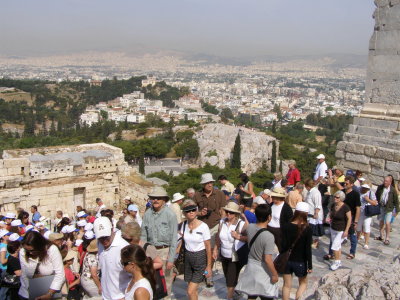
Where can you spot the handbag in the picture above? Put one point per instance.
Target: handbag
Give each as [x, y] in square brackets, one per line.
[39, 285]
[160, 291]
[10, 281]
[180, 260]
[240, 255]
[372, 210]
[281, 260]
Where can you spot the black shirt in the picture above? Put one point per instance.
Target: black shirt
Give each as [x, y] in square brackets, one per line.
[302, 249]
[353, 200]
[13, 264]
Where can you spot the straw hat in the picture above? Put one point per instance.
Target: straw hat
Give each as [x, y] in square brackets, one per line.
[232, 207]
[92, 246]
[159, 191]
[70, 255]
[176, 197]
[55, 236]
[278, 193]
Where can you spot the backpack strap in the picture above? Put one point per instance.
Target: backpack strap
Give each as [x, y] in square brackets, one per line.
[256, 235]
[145, 246]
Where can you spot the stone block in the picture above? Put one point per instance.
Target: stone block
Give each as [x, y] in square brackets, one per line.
[386, 154]
[357, 158]
[355, 148]
[392, 166]
[377, 162]
[341, 145]
[376, 123]
[370, 131]
[369, 150]
[378, 171]
[13, 183]
[16, 163]
[340, 154]
[356, 166]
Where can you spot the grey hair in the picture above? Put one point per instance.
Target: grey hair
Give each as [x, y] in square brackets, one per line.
[190, 190]
[292, 162]
[299, 186]
[341, 195]
[188, 202]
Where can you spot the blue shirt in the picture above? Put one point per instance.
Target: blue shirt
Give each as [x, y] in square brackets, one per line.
[250, 217]
[2, 245]
[35, 217]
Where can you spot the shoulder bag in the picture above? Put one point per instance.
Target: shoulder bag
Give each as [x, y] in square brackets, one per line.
[372, 210]
[179, 262]
[281, 260]
[241, 254]
[10, 281]
[39, 285]
[161, 286]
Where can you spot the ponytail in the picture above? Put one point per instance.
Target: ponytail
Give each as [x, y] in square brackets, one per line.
[149, 273]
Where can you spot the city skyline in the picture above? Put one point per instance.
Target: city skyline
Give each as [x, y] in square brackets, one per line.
[224, 28]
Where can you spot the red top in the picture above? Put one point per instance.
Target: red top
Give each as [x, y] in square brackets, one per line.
[91, 219]
[293, 176]
[69, 276]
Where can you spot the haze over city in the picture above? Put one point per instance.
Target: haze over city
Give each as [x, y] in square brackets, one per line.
[225, 28]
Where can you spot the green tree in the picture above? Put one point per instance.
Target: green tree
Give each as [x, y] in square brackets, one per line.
[141, 163]
[236, 159]
[227, 113]
[273, 157]
[273, 127]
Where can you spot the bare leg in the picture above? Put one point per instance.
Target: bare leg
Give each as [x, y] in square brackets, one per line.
[302, 287]
[287, 285]
[387, 229]
[381, 227]
[231, 291]
[192, 291]
[366, 236]
[337, 254]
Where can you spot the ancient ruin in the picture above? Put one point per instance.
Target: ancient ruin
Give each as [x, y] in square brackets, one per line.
[63, 177]
[372, 143]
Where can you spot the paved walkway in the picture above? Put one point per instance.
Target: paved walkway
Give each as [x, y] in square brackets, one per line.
[377, 253]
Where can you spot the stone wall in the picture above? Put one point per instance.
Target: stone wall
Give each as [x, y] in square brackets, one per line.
[256, 147]
[372, 144]
[62, 177]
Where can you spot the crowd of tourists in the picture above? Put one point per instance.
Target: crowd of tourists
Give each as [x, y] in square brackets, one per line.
[256, 238]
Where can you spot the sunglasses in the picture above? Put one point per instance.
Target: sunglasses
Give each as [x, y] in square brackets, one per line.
[192, 210]
[337, 197]
[127, 239]
[229, 212]
[125, 263]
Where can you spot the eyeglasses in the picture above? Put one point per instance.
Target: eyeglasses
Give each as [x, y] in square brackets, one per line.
[337, 197]
[125, 263]
[229, 212]
[127, 239]
[192, 210]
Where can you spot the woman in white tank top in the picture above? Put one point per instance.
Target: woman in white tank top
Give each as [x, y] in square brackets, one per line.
[135, 261]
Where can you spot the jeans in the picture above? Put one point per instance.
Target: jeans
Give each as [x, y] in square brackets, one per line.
[353, 243]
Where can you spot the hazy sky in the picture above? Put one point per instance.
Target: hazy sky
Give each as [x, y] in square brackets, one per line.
[221, 27]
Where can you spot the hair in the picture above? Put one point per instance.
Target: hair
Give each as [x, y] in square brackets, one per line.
[243, 177]
[34, 207]
[284, 182]
[222, 177]
[12, 247]
[391, 177]
[267, 185]
[190, 190]
[86, 243]
[349, 178]
[59, 212]
[98, 200]
[299, 186]
[188, 202]
[132, 230]
[109, 213]
[120, 223]
[301, 218]
[64, 221]
[292, 162]
[278, 175]
[22, 215]
[14, 229]
[38, 243]
[309, 183]
[263, 212]
[341, 195]
[79, 208]
[70, 236]
[136, 254]
[358, 173]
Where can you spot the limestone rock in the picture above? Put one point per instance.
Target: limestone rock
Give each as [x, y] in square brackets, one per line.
[216, 142]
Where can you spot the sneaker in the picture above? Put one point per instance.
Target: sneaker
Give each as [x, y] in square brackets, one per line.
[336, 265]
[366, 247]
[361, 237]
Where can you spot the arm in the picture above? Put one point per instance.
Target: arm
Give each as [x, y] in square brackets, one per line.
[217, 244]
[141, 294]
[58, 267]
[143, 232]
[76, 281]
[95, 277]
[18, 273]
[157, 263]
[271, 268]
[207, 244]
[3, 258]
[317, 203]
[309, 241]
[357, 217]
[250, 189]
[348, 224]
[173, 230]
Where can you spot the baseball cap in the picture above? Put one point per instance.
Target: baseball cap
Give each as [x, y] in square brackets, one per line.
[81, 214]
[133, 207]
[46, 235]
[88, 227]
[302, 206]
[102, 227]
[17, 223]
[81, 223]
[9, 216]
[321, 156]
[15, 237]
[365, 186]
[259, 200]
[89, 235]
[4, 232]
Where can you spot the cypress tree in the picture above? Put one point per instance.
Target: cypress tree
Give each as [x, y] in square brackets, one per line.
[273, 157]
[273, 126]
[280, 165]
[141, 163]
[236, 160]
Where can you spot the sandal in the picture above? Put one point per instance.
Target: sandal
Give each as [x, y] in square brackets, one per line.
[387, 242]
[378, 238]
[350, 256]
[327, 257]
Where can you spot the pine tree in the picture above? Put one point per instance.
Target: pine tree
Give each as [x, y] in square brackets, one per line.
[141, 163]
[273, 157]
[273, 126]
[52, 129]
[236, 160]
[280, 165]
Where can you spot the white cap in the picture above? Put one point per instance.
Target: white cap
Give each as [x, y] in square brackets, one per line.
[133, 207]
[3, 232]
[81, 214]
[39, 224]
[89, 235]
[102, 227]
[81, 223]
[176, 197]
[267, 192]
[259, 200]
[29, 227]
[17, 222]
[321, 156]
[9, 215]
[302, 206]
[207, 177]
[78, 242]
[15, 237]
[365, 186]
[47, 234]
[88, 227]
[71, 228]
[64, 229]
[127, 198]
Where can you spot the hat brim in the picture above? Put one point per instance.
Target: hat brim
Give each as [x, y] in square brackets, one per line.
[176, 200]
[231, 210]
[276, 195]
[207, 181]
[158, 196]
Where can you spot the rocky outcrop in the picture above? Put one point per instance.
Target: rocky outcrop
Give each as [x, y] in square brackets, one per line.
[216, 142]
[363, 283]
[373, 141]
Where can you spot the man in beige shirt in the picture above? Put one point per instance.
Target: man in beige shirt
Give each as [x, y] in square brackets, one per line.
[295, 196]
[177, 200]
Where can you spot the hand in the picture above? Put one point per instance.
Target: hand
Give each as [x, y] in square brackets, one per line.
[209, 272]
[309, 271]
[100, 291]
[241, 188]
[215, 254]
[345, 234]
[77, 275]
[274, 279]
[170, 265]
[203, 212]
[315, 216]
[235, 235]
[44, 297]
[330, 172]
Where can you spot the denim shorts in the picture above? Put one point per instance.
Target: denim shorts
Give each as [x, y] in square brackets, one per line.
[298, 268]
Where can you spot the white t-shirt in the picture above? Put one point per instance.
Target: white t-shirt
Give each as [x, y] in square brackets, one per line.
[320, 170]
[364, 202]
[195, 241]
[98, 214]
[276, 215]
[142, 283]
[227, 240]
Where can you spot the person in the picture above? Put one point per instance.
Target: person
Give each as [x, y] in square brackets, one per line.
[100, 207]
[359, 180]
[277, 180]
[128, 201]
[388, 200]
[364, 223]
[140, 266]
[230, 238]
[196, 237]
[266, 195]
[90, 280]
[249, 214]
[35, 214]
[336, 179]
[281, 214]
[72, 279]
[353, 201]
[259, 277]
[320, 169]
[247, 189]
[190, 192]
[114, 279]
[299, 236]
[8, 218]
[159, 228]
[226, 185]
[4, 237]
[210, 203]
[295, 196]
[57, 239]
[133, 215]
[340, 219]
[177, 200]
[24, 217]
[13, 266]
[39, 257]
[293, 175]
[315, 215]
[57, 219]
